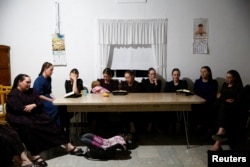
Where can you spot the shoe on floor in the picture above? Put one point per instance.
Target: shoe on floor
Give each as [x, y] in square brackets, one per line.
[219, 137]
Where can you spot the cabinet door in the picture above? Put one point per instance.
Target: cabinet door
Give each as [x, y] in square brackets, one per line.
[4, 65]
[4, 77]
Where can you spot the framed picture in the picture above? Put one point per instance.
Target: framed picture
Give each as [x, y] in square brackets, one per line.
[200, 28]
[131, 1]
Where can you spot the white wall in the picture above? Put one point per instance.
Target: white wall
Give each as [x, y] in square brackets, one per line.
[27, 25]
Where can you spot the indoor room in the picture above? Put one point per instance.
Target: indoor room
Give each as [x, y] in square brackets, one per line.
[80, 42]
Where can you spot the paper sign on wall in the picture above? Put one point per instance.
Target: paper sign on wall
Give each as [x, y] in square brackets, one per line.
[58, 49]
[200, 36]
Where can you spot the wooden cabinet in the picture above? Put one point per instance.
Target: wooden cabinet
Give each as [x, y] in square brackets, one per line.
[5, 78]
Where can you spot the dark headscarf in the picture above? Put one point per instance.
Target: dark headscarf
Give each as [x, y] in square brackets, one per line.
[210, 77]
[19, 77]
[236, 77]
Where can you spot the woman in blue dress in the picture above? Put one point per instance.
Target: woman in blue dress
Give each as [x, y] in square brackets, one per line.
[43, 87]
[205, 87]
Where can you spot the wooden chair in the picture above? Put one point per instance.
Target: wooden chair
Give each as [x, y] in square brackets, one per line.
[4, 91]
[4, 87]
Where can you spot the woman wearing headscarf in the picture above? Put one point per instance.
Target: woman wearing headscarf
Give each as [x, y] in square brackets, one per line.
[43, 87]
[229, 112]
[26, 114]
[205, 87]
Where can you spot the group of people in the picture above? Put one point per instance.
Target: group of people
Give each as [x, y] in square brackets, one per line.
[33, 117]
[220, 114]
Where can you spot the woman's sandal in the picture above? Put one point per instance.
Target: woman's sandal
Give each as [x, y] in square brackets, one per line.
[39, 162]
[76, 151]
[27, 165]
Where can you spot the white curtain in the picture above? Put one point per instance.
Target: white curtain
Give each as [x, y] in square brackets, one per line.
[134, 32]
[160, 52]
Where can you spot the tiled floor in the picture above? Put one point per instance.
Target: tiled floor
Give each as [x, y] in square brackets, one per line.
[157, 150]
[154, 150]
[143, 156]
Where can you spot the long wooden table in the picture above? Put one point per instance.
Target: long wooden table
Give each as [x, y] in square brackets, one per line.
[132, 102]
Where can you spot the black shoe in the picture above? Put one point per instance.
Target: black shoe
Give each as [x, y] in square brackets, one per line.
[219, 137]
[76, 151]
[39, 162]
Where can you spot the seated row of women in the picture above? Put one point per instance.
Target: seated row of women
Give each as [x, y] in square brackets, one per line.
[205, 86]
[222, 109]
[31, 113]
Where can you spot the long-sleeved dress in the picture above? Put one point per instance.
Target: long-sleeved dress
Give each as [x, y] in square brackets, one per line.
[69, 85]
[228, 112]
[65, 116]
[135, 88]
[204, 114]
[171, 87]
[151, 87]
[147, 87]
[42, 86]
[206, 90]
[36, 129]
[111, 86]
[231, 116]
[171, 117]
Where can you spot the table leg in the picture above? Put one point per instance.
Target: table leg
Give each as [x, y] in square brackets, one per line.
[185, 119]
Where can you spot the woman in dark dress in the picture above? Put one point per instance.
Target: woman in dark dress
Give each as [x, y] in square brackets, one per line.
[207, 88]
[42, 85]
[176, 83]
[107, 81]
[131, 86]
[229, 109]
[74, 84]
[151, 85]
[38, 131]
[11, 145]
[171, 87]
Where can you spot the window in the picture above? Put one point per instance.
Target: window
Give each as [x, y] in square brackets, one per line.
[151, 33]
[138, 58]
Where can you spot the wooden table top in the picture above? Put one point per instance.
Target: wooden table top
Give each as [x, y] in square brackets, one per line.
[130, 99]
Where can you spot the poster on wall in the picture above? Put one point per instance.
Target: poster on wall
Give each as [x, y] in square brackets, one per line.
[58, 49]
[200, 34]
